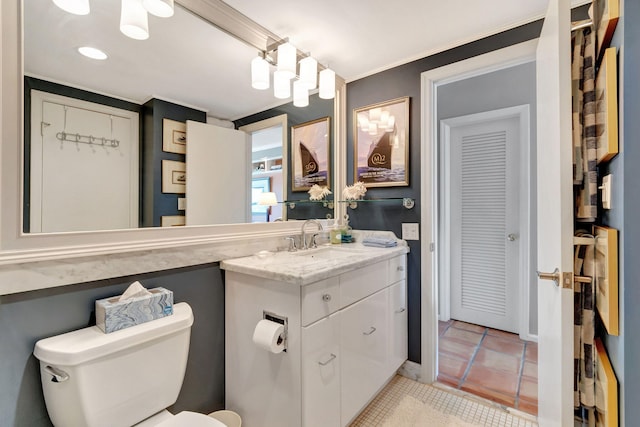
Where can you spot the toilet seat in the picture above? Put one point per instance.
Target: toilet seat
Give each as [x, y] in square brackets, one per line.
[191, 419]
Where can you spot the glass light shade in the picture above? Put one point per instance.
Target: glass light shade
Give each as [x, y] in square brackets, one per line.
[160, 8]
[327, 84]
[92, 52]
[287, 56]
[267, 199]
[259, 73]
[373, 128]
[300, 94]
[375, 114]
[281, 85]
[77, 7]
[309, 72]
[134, 22]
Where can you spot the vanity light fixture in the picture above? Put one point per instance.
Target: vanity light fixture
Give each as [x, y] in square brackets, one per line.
[77, 7]
[283, 55]
[134, 21]
[92, 52]
[159, 8]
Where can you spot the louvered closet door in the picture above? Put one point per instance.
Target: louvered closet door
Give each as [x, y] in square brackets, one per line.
[484, 223]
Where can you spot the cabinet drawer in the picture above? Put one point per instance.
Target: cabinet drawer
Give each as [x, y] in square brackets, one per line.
[362, 282]
[319, 300]
[397, 268]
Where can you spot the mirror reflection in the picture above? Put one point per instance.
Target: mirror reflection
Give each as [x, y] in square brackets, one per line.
[105, 139]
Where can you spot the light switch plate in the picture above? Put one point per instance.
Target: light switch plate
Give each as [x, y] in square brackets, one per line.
[410, 231]
[182, 203]
[606, 192]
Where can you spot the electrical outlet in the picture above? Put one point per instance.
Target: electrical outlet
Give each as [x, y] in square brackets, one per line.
[410, 231]
[182, 203]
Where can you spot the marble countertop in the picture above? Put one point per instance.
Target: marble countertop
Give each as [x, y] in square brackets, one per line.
[308, 266]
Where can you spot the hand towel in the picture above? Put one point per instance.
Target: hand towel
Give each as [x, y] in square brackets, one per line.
[379, 242]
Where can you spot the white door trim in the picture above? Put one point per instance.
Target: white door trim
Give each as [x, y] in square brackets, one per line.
[280, 120]
[430, 80]
[522, 112]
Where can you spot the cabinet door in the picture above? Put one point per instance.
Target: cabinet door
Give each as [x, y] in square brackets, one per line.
[364, 339]
[398, 325]
[321, 373]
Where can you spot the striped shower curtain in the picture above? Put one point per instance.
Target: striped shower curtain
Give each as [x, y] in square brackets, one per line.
[585, 176]
[584, 351]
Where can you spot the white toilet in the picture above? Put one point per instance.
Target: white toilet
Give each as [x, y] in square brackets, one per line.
[125, 378]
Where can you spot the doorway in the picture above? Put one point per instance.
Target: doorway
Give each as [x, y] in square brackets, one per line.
[268, 139]
[433, 83]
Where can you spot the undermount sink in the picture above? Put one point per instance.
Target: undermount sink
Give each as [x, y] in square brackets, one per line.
[328, 253]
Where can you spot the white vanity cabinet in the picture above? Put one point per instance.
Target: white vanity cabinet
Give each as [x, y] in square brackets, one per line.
[347, 336]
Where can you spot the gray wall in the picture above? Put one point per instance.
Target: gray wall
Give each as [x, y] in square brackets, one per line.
[500, 89]
[625, 212]
[395, 83]
[28, 317]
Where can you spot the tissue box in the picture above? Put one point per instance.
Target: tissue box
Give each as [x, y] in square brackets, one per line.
[113, 315]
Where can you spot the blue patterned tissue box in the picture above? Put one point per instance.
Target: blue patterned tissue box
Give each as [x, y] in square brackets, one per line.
[113, 315]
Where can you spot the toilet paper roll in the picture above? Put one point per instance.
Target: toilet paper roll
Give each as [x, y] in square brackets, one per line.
[269, 336]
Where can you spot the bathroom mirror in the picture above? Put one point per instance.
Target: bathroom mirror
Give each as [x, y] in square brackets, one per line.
[186, 64]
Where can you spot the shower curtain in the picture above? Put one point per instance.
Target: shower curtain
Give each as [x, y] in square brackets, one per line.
[585, 176]
[586, 202]
[584, 351]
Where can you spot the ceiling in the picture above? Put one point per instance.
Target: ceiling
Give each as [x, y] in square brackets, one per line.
[188, 61]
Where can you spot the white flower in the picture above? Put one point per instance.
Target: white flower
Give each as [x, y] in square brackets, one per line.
[355, 191]
[318, 193]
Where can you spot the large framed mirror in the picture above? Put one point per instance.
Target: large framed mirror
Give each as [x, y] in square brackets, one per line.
[187, 74]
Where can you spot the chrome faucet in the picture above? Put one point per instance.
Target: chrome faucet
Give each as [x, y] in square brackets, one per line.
[304, 236]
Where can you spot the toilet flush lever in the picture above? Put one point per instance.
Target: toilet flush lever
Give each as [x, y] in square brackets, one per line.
[58, 375]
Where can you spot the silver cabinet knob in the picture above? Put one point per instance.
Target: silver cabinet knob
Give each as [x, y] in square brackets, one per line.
[326, 297]
[512, 236]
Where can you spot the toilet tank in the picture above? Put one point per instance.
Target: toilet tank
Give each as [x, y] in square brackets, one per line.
[94, 379]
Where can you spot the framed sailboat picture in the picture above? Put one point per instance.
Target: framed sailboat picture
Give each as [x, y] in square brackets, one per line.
[310, 154]
[381, 144]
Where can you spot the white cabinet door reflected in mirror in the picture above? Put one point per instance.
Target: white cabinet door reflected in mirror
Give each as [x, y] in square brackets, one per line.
[83, 166]
[219, 158]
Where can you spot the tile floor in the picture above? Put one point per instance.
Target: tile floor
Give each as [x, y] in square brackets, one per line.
[489, 363]
[444, 399]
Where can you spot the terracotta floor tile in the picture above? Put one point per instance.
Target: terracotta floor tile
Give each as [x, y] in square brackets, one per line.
[500, 361]
[463, 336]
[503, 334]
[447, 380]
[459, 349]
[528, 390]
[452, 366]
[530, 370]
[492, 395]
[494, 379]
[532, 352]
[503, 345]
[442, 326]
[528, 407]
[468, 326]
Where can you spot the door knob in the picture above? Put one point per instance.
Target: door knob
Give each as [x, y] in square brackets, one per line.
[555, 276]
[511, 237]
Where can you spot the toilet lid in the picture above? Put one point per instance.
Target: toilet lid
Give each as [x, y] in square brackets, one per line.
[191, 419]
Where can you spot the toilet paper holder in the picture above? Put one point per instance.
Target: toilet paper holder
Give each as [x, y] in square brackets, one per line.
[283, 320]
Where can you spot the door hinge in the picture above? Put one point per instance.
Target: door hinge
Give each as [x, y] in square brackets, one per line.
[432, 247]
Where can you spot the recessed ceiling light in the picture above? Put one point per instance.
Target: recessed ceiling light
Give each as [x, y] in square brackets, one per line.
[92, 52]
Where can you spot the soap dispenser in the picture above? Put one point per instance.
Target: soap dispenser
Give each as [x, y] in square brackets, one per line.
[346, 230]
[335, 232]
